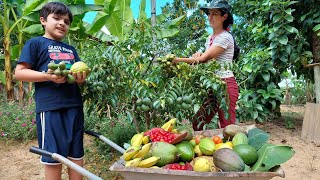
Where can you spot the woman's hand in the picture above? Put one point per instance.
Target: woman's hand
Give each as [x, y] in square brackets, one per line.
[197, 54]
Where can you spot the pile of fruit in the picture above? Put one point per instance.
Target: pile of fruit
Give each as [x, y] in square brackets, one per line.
[60, 69]
[178, 148]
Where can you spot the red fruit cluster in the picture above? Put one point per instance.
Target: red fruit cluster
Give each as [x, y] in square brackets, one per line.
[178, 166]
[158, 134]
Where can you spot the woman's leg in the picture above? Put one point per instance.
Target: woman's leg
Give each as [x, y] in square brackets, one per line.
[233, 92]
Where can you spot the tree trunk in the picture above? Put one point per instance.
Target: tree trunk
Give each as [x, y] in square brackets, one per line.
[316, 58]
[7, 62]
[316, 46]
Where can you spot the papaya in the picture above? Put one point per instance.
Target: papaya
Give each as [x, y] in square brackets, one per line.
[228, 160]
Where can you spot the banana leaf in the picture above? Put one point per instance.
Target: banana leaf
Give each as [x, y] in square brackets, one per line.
[272, 155]
[257, 138]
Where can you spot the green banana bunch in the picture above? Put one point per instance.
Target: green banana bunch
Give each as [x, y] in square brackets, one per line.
[136, 140]
[149, 162]
[133, 163]
[169, 126]
[130, 152]
[143, 151]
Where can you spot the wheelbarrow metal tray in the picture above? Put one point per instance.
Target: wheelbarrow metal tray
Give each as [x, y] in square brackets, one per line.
[131, 173]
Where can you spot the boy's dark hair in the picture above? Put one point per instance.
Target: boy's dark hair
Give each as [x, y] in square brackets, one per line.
[55, 8]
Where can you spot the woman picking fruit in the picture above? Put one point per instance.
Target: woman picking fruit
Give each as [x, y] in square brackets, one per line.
[220, 46]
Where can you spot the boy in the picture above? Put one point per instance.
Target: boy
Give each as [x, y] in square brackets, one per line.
[59, 108]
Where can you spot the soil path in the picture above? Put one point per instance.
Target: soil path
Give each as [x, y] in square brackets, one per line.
[16, 162]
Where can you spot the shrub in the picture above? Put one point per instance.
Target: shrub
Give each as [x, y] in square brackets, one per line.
[17, 122]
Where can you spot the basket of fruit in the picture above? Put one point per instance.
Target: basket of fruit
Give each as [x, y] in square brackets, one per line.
[171, 153]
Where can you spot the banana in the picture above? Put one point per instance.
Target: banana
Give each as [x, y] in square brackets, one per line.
[136, 140]
[168, 126]
[149, 162]
[145, 139]
[133, 163]
[143, 151]
[176, 131]
[130, 152]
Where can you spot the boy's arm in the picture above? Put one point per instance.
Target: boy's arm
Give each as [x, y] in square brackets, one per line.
[23, 72]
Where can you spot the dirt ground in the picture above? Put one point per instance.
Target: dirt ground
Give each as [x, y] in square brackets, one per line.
[16, 162]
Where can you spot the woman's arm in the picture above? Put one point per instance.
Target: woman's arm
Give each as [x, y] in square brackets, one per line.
[209, 54]
[23, 72]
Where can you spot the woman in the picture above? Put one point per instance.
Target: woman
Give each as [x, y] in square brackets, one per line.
[219, 47]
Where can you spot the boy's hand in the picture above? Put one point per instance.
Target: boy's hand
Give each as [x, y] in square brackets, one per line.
[54, 78]
[80, 77]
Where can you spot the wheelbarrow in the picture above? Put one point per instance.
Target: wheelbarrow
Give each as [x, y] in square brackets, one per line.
[135, 173]
[73, 165]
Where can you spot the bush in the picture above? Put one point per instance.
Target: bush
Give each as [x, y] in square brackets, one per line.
[17, 122]
[119, 130]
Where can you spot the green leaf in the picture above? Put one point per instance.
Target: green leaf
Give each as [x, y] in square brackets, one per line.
[316, 28]
[266, 76]
[129, 117]
[257, 137]
[271, 156]
[142, 12]
[289, 18]
[156, 104]
[30, 6]
[196, 108]
[175, 21]
[283, 40]
[276, 18]
[33, 29]
[2, 77]
[79, 9]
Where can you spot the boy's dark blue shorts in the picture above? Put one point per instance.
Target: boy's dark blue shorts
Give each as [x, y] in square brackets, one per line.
[61, 131]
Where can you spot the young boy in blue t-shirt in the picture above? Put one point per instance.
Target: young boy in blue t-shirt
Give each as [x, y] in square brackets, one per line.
[59, 108]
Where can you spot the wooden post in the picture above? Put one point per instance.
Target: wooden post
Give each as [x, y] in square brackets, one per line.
[311, 120]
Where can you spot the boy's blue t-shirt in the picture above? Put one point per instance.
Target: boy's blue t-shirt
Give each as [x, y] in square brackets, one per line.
[38, 52]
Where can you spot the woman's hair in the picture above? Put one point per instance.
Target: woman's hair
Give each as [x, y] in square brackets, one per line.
[55, 8]
[229, 19]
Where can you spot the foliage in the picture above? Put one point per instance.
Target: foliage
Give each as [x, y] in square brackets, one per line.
[273, 39]
[17, 122]
[193, 26]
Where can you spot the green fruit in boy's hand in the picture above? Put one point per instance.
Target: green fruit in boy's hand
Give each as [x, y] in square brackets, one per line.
[65, 72]
[80, 67]
[62, 65]
[57, 72]
[53, 66]
[70, 79]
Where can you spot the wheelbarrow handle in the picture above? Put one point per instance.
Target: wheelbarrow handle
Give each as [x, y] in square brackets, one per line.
[92, 133]
[66, 162]
[40, 151]
[106, 140]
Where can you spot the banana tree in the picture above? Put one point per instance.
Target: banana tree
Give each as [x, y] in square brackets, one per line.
[117, 17]
[21, 17]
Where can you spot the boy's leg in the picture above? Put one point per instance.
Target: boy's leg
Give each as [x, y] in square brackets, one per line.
[76, 151]
[74, 175]
[52, 172]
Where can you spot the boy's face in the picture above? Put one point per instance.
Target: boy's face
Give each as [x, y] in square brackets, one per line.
[56, 26]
